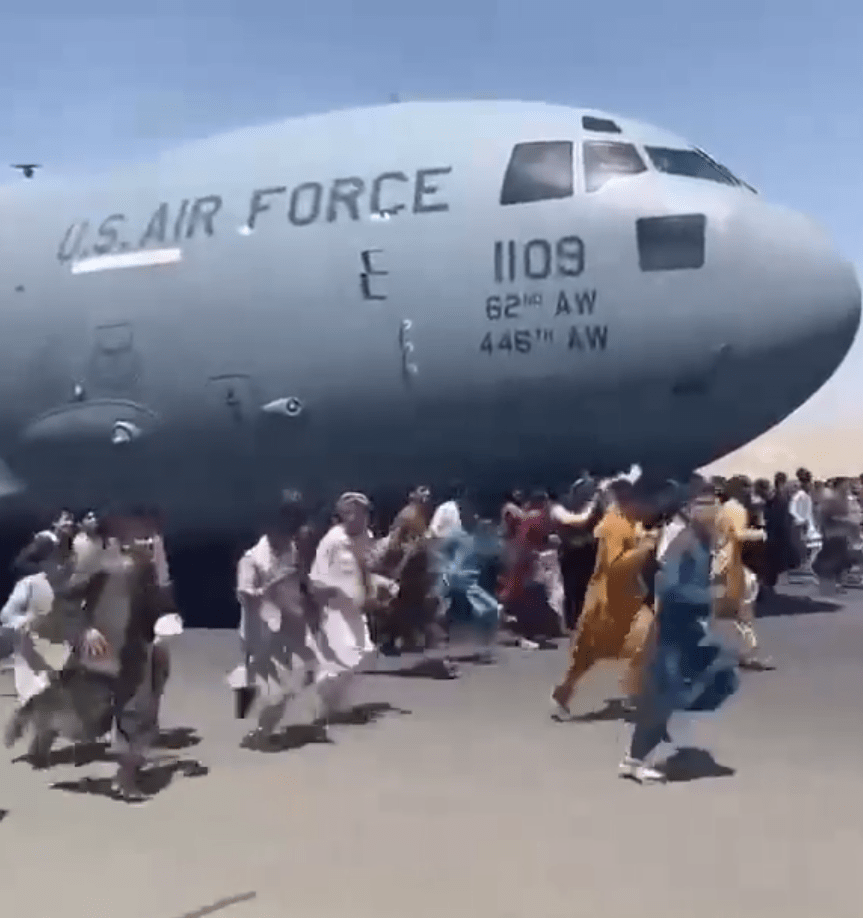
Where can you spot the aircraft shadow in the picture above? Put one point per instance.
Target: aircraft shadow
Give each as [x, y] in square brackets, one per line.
[152, 781]
[689, 763]
[3, 814]
[783, 604]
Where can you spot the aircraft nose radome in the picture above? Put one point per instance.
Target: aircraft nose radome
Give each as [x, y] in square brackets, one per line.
[833, 312]
[815, 293]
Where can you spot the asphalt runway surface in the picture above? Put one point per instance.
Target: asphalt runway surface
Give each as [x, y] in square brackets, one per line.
[463, 797]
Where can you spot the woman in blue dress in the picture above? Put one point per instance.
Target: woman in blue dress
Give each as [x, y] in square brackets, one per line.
[688, 667]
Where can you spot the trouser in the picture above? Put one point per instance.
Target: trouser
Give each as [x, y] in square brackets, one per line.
[32, 672]
[576, 569]
[744, 623]
[742, 613]
[78, 704]
[807, 550]
[636, 649]
[136, 703]
[535, 619]
[651, 728]
[286, 662]
[161, 673]
[744, 620]
[334, 693]
[470, 600]
[589, 648]
[344, 650]
[834, 559]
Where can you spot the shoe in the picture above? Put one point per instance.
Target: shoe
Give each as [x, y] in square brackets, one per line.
[527, 644]
[125, 783]
[559, 711]
[758, 664]
[450, 669]
[257, 740]
[640, 772]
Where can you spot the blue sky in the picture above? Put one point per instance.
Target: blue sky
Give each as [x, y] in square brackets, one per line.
[771, 87]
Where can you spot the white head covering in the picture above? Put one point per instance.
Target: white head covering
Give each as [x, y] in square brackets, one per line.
[350, 500]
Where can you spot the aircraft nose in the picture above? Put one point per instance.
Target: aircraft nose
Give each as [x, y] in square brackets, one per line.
[826, 311]
[807, 293]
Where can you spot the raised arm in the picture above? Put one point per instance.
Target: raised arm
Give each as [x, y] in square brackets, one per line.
[584, 521]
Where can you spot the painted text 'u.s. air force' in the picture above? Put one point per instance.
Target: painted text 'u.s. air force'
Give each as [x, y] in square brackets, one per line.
[387, 194]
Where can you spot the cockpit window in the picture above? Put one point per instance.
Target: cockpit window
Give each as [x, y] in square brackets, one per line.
[600, 125]
[538, 171]
[671, 243]
[606, 159]
[727, 171]
[691, 163]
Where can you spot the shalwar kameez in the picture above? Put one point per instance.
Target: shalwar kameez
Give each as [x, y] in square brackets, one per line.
[281, 652]
[610, 626]
[687, 668]
[344, 585]
[108, 675]
[35, 613]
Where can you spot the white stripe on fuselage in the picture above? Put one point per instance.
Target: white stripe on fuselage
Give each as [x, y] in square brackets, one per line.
[146, 258]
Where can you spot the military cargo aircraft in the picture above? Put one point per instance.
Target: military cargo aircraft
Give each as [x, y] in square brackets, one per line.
[498, 292]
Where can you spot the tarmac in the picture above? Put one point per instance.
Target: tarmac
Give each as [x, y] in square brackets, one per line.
[463, 797]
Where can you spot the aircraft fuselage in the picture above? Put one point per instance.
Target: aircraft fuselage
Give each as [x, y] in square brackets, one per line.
[343, 301]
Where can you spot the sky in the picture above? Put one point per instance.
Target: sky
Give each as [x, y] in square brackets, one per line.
[772, 88]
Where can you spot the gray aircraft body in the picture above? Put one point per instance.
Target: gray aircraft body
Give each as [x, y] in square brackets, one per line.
[499, 292]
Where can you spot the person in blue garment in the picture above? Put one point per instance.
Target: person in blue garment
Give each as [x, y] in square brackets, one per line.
[687, 667]
[461, 547]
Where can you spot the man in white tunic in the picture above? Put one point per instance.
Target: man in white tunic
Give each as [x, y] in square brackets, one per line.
[31, 613]
[806, 530]
[341, 580]
[277, 616]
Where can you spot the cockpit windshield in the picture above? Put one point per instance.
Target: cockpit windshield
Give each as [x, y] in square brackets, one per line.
[690, 163]
[605, 160]
[538, 170]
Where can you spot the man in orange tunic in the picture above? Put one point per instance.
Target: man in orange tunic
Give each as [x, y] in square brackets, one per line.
[615, 594]
[738, 586]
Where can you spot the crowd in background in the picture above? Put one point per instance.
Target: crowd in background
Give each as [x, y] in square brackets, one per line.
[94, 604]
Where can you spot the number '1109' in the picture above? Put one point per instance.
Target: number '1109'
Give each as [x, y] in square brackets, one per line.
[538, 259]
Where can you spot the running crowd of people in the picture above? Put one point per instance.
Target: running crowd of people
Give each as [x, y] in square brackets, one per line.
[631, 569]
